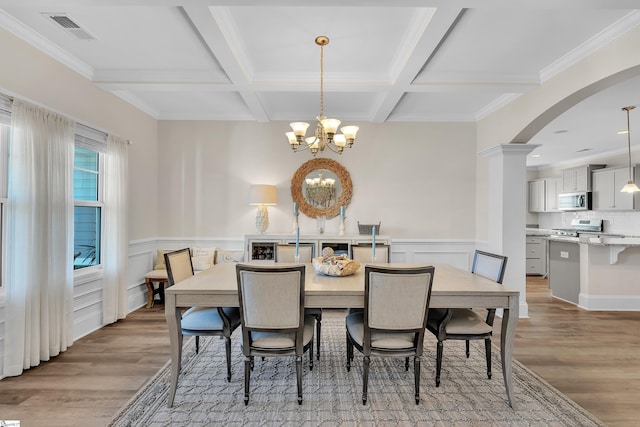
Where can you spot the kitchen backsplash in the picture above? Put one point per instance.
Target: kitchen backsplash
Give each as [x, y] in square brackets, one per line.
[626, 223]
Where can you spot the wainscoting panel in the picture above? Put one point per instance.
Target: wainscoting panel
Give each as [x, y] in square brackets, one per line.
[456, 253]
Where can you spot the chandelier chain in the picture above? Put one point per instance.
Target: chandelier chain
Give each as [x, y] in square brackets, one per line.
[322, 80]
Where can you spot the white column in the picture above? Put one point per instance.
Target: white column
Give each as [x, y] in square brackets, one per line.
[507, 212]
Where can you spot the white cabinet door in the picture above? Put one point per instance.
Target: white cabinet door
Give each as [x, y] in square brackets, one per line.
[622, 201]
[553, 186]
[603, 190]
[607, 184]
[536, 195]
[569, 182]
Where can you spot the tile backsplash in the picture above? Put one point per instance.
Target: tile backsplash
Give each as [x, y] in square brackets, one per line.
[626, 223]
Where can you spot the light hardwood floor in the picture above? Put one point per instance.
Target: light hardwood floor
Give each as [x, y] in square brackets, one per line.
[593, 357]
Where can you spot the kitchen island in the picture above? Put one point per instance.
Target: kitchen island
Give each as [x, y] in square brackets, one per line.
[608, 271]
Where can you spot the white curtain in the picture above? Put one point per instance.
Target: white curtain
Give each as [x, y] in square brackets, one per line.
[39, 293]
[116, 239]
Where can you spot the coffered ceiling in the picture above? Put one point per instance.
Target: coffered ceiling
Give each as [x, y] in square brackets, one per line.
[387, 61]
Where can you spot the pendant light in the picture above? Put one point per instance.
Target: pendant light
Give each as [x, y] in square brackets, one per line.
[631, 186]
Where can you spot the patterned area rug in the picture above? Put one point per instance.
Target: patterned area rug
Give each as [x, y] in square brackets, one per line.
[333, 396]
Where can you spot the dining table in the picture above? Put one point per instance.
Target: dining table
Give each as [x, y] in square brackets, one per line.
[452, 287]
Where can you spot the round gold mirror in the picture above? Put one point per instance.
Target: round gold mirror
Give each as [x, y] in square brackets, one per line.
[320, 187]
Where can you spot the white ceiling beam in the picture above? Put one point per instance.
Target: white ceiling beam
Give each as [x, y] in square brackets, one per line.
[433, 31]
[209, 26]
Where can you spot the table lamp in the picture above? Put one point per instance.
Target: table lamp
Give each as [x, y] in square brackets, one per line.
[262, 196]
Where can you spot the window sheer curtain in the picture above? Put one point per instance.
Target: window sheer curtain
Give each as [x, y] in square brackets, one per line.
[39, 292]
[116, 241]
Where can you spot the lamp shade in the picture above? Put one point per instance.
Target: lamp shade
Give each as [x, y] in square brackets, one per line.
[266, 195]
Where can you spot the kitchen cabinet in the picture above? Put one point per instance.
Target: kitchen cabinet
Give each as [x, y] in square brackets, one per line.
[607, 184]
[578, 178]
[537, 195]
[552, 187]
[536, 255]
[543, 194]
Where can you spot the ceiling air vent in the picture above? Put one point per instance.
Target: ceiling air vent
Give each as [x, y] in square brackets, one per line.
[71, 27]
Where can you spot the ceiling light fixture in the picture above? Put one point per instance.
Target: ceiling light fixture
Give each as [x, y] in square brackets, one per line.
[630, 187]
[325, 134]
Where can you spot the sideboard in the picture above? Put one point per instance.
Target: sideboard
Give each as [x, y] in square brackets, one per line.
[261, 247]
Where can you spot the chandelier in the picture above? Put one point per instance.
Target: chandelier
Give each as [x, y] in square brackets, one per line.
[321, 192]
[326, 135]
[630, 187]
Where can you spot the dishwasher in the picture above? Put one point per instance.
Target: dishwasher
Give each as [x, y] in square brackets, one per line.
[564, 270]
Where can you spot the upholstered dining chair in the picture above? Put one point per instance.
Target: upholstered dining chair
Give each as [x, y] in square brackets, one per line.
[201, 321]
[362, 253]
[392, 324]
[272, 317]
[286, 253]
[465, 323]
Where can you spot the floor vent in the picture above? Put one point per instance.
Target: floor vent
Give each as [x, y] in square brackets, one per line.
[71, 27]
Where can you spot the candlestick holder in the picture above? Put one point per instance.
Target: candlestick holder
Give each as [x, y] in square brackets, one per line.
[296, 223]
[342, 226]
[320, 222]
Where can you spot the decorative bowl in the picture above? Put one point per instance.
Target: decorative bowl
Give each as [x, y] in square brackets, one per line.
[338, 265]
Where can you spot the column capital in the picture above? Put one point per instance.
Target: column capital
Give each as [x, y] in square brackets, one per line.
[513, 148]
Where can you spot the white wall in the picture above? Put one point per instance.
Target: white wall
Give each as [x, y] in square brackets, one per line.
[417, 179]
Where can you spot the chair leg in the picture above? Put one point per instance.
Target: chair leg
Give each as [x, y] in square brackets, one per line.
[365, 379]
[487, 347]
[299, 377]
[416, 369]
[318, 329]
[467, 347]
[247, 377]
[197, 344]
[311, 355]
[227, 345]
[439, 349]
[349, 353]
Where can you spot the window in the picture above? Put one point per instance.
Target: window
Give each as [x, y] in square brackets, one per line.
[4, 175]
[87, 194]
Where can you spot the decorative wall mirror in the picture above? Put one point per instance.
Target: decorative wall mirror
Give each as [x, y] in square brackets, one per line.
[320, 187]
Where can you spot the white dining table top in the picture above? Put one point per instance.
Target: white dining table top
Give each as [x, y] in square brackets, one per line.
[448, 281]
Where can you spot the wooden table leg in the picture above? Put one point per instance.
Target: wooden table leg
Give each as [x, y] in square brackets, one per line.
[173, 316]
[507, 338]
[149, 284]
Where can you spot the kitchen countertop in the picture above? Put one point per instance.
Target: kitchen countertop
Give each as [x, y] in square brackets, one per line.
[601, 239]
[537, 231]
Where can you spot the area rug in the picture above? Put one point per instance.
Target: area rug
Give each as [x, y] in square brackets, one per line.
[333, 396]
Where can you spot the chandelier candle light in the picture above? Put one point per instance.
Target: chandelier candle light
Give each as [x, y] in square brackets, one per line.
[631, 186]
[326, 135]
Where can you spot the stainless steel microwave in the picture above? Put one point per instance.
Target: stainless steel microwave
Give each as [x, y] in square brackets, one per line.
[578, 201]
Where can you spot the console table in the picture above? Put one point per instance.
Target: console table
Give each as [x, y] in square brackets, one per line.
[262, 247]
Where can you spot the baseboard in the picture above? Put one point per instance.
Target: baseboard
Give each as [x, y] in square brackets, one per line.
[609, 302]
